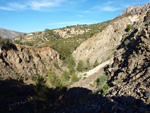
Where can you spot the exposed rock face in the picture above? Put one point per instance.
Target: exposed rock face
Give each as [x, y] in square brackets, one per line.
[100, 47]
[70, 32]
[9, 34]
[26, 61]
[130, 72]
[136, 9]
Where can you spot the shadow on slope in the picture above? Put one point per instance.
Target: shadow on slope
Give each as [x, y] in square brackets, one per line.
[16, 97]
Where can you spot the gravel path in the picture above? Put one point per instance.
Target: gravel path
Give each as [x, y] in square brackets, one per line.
[91, 76]
[96, 69]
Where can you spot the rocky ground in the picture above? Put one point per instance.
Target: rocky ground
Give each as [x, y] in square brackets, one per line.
[130, 72]
[27, 62]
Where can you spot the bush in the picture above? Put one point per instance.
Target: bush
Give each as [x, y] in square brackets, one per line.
[70, 64]
[95, 63]
[40, 81]
[6, 43]
[54, 79]
[80, 66]
[104, 90]
[88, 66]
[101, 80]
[126, 42]
[56, 65]
[65, 78]
[71, 69]
[70, 61]
[129, 26]
[74, 78]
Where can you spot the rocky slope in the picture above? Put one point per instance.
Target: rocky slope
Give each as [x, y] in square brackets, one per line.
[27, 62]
[136, 9]
[4, 33]
[130, 72]
[101, 46]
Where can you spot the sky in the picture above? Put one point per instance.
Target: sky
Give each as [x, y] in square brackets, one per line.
[38, 15]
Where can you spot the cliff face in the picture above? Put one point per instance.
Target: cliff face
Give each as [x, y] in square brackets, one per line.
[136, 9]
[26, 61]
[130, 72]
[101, 46]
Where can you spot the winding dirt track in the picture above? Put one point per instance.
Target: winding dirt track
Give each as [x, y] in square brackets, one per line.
[92, 75]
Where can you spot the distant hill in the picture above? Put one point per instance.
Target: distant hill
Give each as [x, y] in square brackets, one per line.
[4, 33]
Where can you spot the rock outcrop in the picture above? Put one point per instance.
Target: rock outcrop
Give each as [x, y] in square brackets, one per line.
[26, 61]
[136, 9]
[70, 32]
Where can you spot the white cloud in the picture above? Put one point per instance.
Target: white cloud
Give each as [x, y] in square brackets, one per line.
[6, 8]
[38, 5]
[16, 6]
[32, 4]
[109, 8]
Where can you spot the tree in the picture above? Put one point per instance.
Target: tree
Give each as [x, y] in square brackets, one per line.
[80, 66]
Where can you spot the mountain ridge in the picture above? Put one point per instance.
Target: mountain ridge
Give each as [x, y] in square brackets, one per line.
[10, 34]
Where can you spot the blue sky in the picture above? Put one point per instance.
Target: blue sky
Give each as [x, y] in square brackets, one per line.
[38, 15]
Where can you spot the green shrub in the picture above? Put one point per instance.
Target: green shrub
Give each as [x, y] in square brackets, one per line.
[80, 66]
[41, 89]
[56, 65]
[126, 42]
[65, 47]
[54, 79]
[95, 63]
[71, 69]
[70, 61]
[129, 26]
[88, 65]
[70, 64]
[39, 81]
[104, 90]
[65, 78]
[74, 78]
[6, 43]
[101, 80]
[18, 42]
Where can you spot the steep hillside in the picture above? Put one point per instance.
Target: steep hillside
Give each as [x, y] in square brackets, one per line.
[4, 33]
[129, 75]
[102, 46]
